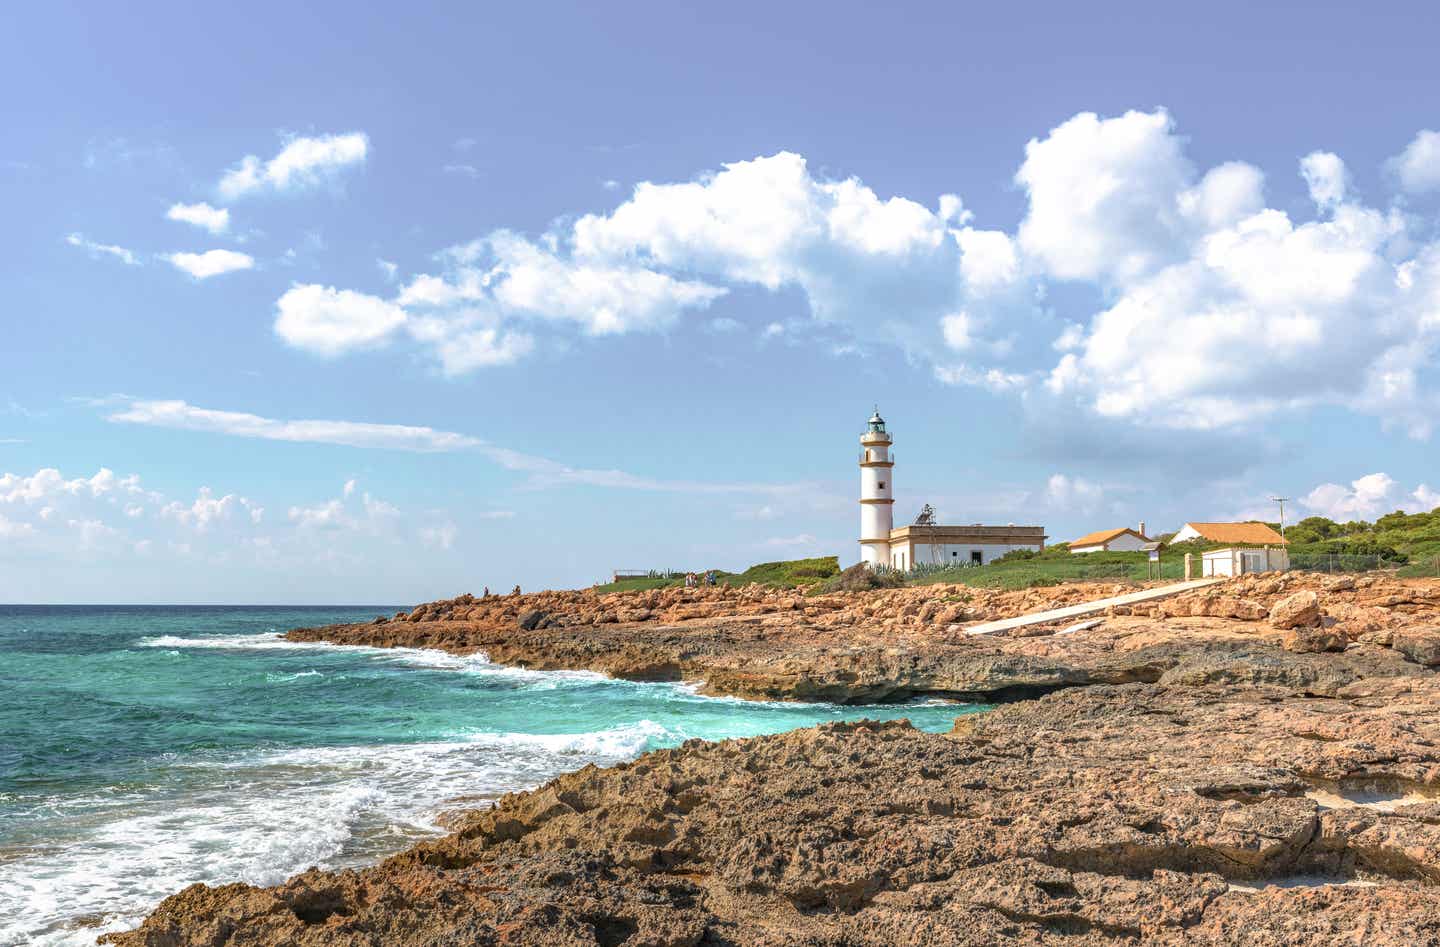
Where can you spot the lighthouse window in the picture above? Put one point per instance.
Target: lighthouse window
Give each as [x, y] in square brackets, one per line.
[882, 484]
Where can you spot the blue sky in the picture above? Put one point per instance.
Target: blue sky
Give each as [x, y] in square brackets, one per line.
[339, 305]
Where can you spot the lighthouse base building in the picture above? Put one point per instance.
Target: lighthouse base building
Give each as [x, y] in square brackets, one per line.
[912, 546]
[923, 543]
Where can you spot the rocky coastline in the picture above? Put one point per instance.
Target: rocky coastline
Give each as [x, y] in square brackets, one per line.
[867, 647]
[1254, 763]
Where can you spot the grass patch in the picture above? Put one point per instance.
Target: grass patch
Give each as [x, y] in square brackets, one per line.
[1053, 568]
[803, 573]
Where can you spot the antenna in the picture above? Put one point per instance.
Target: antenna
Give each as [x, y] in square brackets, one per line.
[1282, 501]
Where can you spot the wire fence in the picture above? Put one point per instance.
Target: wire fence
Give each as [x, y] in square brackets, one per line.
[1078, 569]
[1341, 562]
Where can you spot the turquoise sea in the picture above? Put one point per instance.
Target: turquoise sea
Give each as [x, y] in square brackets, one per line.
[144, 748]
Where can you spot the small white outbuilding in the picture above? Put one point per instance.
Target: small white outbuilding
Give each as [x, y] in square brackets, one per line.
[1234, 561]
[1123, 539]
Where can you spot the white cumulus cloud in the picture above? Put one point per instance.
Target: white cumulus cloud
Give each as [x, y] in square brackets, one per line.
[202, 215]
[1326, 177]
[329, 321]
[211, 262]
[1103, 196]
[303, 162]
[1368, 497]
[1418, 166]
[1221, 318]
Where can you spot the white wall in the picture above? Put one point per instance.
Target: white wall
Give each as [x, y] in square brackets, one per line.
[1126, 543]
[871, 479]
[875, 520]
[1238, 561]
[1186, 532]
[959, 553]
[1220, 562]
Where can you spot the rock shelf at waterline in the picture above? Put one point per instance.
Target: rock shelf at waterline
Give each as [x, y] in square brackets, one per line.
[1251, 763]
[863, 647]
[1103, 815]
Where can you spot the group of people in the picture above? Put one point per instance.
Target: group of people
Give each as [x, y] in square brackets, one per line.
[486, 593]
[693, 580]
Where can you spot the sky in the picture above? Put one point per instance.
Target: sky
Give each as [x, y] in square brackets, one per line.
[326, 303]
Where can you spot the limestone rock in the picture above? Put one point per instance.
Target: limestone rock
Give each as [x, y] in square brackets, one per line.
[1314, 639]
[1130, 815]
[1299, 609]
[1421, 645]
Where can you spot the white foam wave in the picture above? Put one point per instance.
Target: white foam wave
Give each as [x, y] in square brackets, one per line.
[262, 817]
[266, 641]
[282, 678]
[477, 663]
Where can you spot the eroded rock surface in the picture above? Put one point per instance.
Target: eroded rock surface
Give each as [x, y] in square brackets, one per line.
[894, 644]
[1132, 814]
[1188, 779]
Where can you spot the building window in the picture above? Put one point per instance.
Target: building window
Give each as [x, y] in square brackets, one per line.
[977, 557]
[882, 484]
[956, 554]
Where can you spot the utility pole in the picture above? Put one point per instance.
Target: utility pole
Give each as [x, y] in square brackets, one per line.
[1282, 501]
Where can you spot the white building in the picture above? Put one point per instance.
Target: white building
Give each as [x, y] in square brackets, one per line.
[1236, 561]
[1123, 539]
[877, 500]
[904, 548]
[977, 545]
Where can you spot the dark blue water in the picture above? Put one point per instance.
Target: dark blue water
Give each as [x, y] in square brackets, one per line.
[146, 748]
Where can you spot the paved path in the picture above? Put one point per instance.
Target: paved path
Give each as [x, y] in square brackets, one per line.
[1089, 608]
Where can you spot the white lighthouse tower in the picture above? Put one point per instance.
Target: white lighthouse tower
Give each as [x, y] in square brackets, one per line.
[877, 493]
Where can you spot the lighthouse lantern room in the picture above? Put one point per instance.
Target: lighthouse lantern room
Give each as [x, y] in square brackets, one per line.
[877, 492]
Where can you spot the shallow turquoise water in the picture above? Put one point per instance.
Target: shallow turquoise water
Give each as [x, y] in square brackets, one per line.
[146, 748]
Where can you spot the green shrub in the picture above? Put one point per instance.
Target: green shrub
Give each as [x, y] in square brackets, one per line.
[861, 578]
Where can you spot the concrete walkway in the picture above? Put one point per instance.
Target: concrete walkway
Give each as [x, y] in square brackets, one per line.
[1089, 608]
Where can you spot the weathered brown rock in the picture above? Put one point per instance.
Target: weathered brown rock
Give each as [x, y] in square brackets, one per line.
[1140, 814]
[1314, 639]
[1294, 611]
[891, 644]
[1421, 645]
[1233, 756]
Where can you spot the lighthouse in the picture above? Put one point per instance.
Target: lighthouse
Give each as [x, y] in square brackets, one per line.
[877, 492]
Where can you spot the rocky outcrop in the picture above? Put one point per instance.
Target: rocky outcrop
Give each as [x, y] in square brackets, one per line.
[1111, 815]
[1257, 762]
[1313, 640]
[1421, 645]
[1295, 611]
[894, 644]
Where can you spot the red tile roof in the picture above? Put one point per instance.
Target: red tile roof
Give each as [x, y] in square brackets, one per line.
[1104, 536]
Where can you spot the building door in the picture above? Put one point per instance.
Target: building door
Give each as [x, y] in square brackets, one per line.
[977, 558]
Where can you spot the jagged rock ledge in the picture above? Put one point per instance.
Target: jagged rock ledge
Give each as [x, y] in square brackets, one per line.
[1109, 815]
[1255, 764]
[896, 644]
